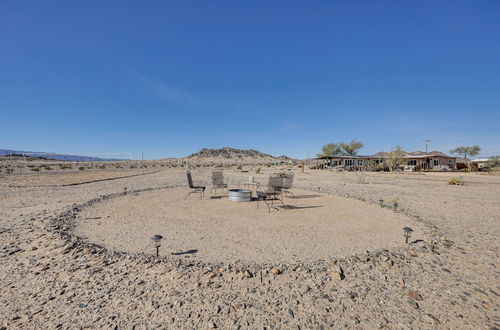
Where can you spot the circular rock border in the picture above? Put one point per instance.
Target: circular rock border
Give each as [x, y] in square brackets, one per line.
[63, 224]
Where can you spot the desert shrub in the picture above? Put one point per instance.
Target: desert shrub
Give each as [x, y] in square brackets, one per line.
[65, 166]
[102, 167]
[494, 162]
[361, 177]
[35, 169]
[81, 168]
[456, 181]
[31, 166]
[131, 166]
[239, 167]
[9, 170]
[372, 166]
[47, 168]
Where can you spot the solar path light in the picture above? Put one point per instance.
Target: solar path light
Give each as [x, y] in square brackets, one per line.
[407, 233]
[157, 242]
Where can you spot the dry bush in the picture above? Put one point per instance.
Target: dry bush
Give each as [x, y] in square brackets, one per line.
[456, 181]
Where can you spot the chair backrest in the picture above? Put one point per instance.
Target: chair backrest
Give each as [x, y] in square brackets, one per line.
[287, 181]
[275, 183]
[217, 178]
[190, 179]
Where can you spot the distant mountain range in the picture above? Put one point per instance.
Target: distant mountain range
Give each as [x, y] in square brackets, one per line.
[51, 155]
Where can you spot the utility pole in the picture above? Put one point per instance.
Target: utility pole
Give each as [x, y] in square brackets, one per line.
[426, 144]
[142, 157]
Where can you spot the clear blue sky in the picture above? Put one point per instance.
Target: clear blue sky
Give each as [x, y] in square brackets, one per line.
[284, 77]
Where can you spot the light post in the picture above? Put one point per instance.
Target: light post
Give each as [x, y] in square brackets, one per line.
[407, 233]
[157, 242]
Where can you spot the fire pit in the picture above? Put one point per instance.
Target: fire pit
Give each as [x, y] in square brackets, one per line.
[240, 195]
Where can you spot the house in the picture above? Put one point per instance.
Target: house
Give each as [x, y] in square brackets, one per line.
[413, 161]
[421, 160]
[347, 162]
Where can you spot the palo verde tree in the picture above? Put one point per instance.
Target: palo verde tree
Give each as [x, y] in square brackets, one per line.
[466, 151]
[395, 158]
[341, 149]
[352, 148]
[330, 150]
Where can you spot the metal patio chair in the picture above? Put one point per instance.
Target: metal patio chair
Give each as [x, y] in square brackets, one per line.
[218, 181]
[194, 189]
[272, 193]
[287, 183]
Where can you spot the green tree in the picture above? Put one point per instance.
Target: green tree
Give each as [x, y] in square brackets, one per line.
[341, 149]
[352, 148]
[466, 151]
[330, 150]
[395, 158]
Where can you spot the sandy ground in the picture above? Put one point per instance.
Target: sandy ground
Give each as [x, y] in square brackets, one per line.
[49, 179]
[49, 279]
[312, 226]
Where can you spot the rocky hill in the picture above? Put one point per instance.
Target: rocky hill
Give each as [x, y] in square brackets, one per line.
[230, 156]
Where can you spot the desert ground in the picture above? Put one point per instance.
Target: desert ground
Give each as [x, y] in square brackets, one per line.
[75, 251]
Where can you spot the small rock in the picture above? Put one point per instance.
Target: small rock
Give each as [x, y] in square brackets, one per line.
[415, 295]
[489, 306]
[275, 271]
[432, 318]
[413, 303]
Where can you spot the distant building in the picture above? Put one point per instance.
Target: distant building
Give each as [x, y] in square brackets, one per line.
[414, 161]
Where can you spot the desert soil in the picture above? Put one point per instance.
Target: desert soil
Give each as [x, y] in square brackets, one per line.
[61, 269]
[309, 226]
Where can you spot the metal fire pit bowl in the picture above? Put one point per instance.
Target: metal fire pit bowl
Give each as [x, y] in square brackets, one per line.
[240, 195]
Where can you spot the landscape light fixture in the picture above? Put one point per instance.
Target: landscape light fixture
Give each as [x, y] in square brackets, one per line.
[407, 233]
[157, 241]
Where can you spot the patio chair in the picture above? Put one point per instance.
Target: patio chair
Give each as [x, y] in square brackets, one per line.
[194, 189]
[272, 193]
[287, 183]
[218, 181]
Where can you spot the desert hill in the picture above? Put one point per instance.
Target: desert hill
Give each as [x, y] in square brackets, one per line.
[233, 156]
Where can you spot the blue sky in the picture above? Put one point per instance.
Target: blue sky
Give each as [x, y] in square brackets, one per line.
[285, 77]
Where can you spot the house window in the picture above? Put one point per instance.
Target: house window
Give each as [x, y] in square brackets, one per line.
[360, 162]
[436, 162]
[348, 162]
[412, 162]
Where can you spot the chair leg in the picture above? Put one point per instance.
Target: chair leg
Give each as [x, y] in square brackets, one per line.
[188, 194]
